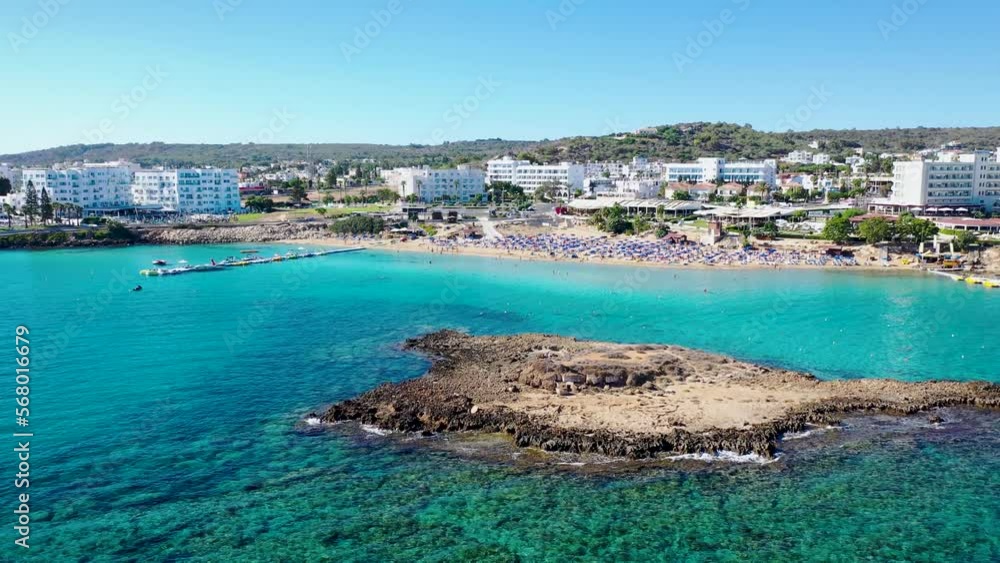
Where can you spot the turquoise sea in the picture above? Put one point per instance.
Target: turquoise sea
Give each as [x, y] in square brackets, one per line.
[168, 422]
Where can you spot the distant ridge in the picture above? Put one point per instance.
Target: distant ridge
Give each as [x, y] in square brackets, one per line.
[683, 141]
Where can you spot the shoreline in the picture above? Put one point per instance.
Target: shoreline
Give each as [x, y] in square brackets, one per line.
[317, 234]
[418, 248]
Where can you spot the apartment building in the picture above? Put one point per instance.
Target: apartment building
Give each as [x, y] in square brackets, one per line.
[709, 170]
[119, 185]
[9, 172]
[799, 157]
[91, 185]
[532, 176]
[187, 190]
[611, 169]
[428, 185]
[964, 181]
[622, 188]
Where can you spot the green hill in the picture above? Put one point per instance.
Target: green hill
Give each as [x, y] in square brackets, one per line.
[685, 141]
[688, 141]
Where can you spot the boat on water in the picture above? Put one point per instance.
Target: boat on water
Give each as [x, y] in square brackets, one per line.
[249, 251]
[159, 262]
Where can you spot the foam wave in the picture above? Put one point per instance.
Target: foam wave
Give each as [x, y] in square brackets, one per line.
[806, 433]
[726, 457]
[375, 430]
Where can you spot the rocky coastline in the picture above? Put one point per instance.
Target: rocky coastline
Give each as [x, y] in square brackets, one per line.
[222, 234]
[166, 235]
[631, 401]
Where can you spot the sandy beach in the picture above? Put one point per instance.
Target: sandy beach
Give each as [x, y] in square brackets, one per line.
[427, 246]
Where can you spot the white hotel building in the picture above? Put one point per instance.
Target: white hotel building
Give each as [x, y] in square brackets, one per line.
[8, 171]
[710, 170]
[969, 181]
[188, 190]
[429, 184]
[799, 157]
[532, 176]
[93, 185]
[121, 185]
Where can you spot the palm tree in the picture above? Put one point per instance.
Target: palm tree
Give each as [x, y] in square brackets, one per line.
[8, 210]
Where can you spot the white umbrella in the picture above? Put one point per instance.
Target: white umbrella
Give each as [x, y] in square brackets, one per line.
[931, 210]
[962, 210]
[946, 209]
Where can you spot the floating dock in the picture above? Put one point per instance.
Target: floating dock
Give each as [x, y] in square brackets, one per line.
[240, 262]
[970, 279]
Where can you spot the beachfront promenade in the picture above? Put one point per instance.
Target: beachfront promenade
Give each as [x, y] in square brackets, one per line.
[573, 247]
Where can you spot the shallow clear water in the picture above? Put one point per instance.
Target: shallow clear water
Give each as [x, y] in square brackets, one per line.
[166, 420]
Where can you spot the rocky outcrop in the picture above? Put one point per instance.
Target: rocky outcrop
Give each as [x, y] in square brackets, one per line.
[561, 394]
[218, 234]
[67, 237]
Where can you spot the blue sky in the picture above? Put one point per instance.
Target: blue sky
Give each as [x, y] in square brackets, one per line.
[301, 71]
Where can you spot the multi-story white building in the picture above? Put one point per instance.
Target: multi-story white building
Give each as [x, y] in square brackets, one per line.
[641, 168]
[91, 185]
[800, 157]
[612, 170]
[427, 184]
[9, 172]
[972, 180]
[632, 189]
[821, 158]
[118, 185]
[709, 170]
[188, 190]
[857, 164]
[532, 176]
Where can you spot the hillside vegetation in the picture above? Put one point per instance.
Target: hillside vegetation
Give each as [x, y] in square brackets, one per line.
[684, 141]
[237, 154]
[688, 141]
